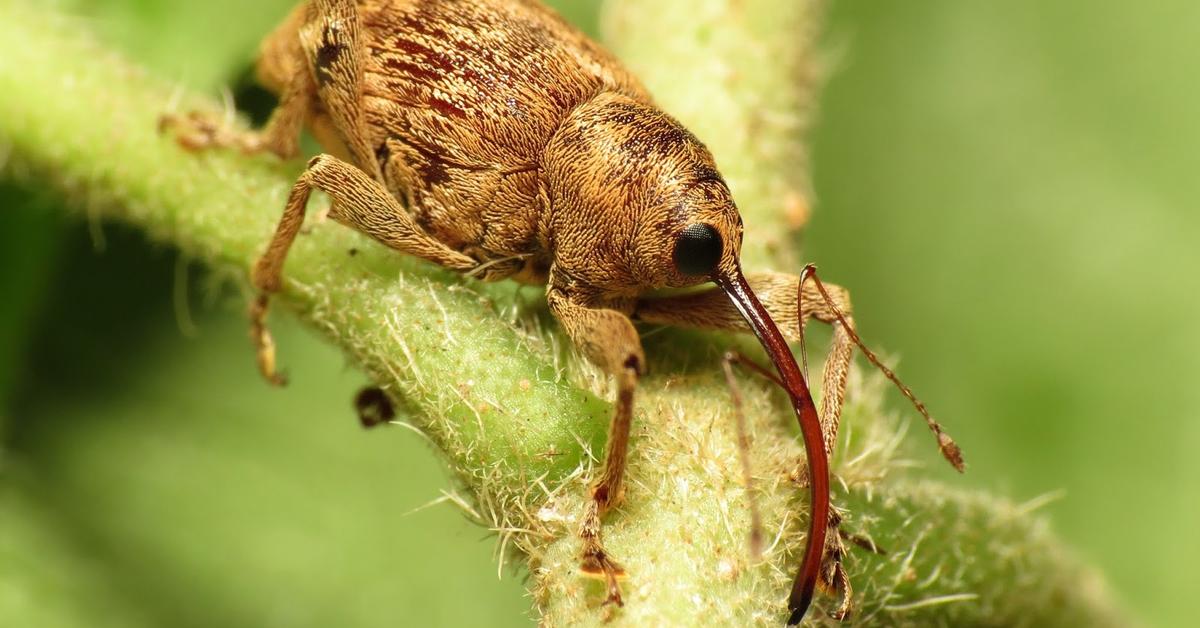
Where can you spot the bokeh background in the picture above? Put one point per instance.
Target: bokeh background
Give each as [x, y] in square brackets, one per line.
[1008, 188]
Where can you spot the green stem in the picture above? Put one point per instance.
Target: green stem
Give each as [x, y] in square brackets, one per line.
[484, 372]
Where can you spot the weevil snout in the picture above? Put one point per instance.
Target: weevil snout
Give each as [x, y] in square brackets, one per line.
[707, 246]
[738, 290]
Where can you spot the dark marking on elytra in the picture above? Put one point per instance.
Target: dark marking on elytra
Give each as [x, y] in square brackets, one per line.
[327, 55]
[433, 58]
[383, 153]
[433, 170]
[411, 69]
[445, 107]
[424, 21]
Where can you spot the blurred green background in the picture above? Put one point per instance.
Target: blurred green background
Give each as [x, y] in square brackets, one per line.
[1007, 188]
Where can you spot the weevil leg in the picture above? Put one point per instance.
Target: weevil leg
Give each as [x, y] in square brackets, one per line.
[711, 309]
[608, 490]
[359, 202]
[314, 61]
[607, 337]
[833, 575]
[946, 445]
[743, 437]
[197, 131]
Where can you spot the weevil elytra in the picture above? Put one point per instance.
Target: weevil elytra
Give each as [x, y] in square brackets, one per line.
[492, 138]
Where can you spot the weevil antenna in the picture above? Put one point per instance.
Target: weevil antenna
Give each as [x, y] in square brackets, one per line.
[948, 447]
[804, 273]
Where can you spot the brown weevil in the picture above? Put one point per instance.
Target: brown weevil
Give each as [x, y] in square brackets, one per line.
[493, 138]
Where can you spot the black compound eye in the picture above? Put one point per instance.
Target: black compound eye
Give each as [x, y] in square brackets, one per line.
[698, 249]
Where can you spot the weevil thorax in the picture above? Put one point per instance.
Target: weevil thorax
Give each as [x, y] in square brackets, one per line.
[636, 201]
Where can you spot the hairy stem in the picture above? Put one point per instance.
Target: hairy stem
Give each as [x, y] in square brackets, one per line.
[484, 372]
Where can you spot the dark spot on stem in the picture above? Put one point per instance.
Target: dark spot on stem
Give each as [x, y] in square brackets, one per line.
[373, 407]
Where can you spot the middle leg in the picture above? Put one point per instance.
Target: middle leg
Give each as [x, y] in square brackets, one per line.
[359, 202]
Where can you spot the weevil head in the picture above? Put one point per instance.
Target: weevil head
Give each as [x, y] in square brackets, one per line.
[635, 203]
[636, 200]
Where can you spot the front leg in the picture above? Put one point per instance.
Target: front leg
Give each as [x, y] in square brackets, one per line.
[791, 306]
[792, 301]
[608, 339]
[778, 292]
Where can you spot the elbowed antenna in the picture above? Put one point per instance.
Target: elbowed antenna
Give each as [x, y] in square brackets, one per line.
[756, 316]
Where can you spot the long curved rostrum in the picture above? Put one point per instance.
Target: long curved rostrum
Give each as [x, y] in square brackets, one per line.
[772, 340]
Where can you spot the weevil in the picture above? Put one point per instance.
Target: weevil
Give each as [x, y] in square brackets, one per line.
[493, 138]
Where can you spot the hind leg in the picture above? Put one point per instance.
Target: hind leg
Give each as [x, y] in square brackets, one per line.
[198, 130]
[314, 62]
[792, 301]
[283, 70]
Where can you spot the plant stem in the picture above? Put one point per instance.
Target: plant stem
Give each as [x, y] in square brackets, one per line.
[484, 372]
